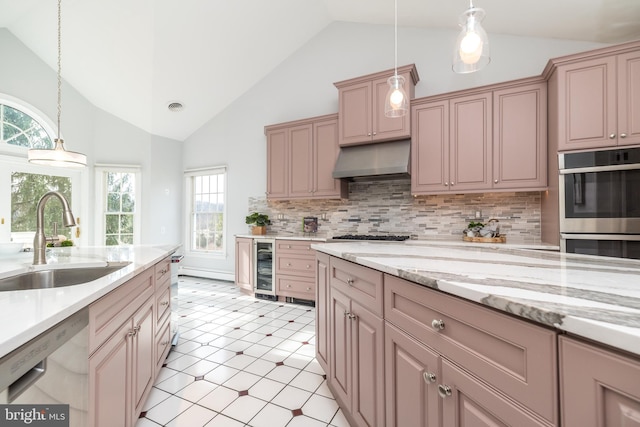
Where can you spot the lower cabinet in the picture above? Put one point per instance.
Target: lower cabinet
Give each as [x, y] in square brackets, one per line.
[322, 310]
[129, 338]
[295, 269]
[244, 264]
[600, 388]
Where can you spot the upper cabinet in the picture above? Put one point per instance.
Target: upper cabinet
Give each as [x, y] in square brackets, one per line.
[300, 159]
[595, 98]
[493, 139]
[361, 108]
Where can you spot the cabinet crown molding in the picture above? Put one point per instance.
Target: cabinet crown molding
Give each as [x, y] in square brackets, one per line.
[411, 69]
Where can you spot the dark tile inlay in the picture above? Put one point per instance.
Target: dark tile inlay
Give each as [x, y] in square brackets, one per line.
[269, 335]
[262, 315]
[305, 342]
[279, 363]
[290, 321]
[237, 327]
[324, 376]
[199, 377]
[164, 365]
[296, 412]
[238, 353]
[243, 392]
[143, 414]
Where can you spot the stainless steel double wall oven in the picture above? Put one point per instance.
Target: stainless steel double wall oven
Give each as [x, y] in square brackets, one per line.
[600, 202]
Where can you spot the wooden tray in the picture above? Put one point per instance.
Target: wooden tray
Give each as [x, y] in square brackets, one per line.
[500, 239]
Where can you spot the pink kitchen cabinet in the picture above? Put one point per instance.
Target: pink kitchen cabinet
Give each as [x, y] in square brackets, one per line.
[361, 108]
[600, 388]
[481, 140]
[244, 264]
[597, 98]
[322, 310]
[300, 160]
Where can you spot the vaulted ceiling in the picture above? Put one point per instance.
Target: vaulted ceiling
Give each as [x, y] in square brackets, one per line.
[132, 58]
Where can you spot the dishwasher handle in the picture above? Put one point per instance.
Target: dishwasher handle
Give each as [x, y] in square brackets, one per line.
[16, 388]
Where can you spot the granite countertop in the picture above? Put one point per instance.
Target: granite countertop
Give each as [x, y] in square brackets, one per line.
[25, 314]
[593, 297]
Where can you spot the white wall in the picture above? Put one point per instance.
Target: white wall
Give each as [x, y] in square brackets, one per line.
[103, 138]
[302, 86]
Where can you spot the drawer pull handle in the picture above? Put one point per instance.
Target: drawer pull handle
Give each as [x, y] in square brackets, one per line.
[164, 303]
[623, 135]
[444, 391]
[137, 328]
[308, 266]
[288, 264]
[429, 377]
[164, 343]
[437, 324]
[350, 281]
[346, 313]
[612, 136]
[352, 316]
[288, 286]
[288, 246]
[132, 333]
[308, 288]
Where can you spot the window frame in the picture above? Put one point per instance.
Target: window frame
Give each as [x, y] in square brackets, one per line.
[189, 187]
[100, 171]
[47, 124]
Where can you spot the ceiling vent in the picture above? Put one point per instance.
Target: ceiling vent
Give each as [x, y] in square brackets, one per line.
[175, 107]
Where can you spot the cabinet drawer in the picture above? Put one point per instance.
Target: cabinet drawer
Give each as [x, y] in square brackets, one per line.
[296, 265]
[514, 356]
[163, 344]
[109, 313]
[163, 305]
[163, 270]
[298, 247]
[296, 287]
[359, 283]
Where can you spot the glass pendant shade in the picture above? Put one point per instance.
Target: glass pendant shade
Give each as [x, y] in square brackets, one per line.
[471, 52]
[397, 102]
[57, 156]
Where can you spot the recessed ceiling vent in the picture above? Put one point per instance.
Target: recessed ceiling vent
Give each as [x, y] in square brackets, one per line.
[175, 107]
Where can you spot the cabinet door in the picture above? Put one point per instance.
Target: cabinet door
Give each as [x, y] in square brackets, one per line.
[326, 149]
[587, 104]
[340, 347]
[629, 98]
[244, 264]
[430, 148]
[143, 361]
[109, 395]
[473, 404]
[300, 161]
[411, 375]
[367, 340]
[598, 388]
[354, 122]
[387, 128]
[520, 138]
[322, 310]
[277, 164]
[470, 142]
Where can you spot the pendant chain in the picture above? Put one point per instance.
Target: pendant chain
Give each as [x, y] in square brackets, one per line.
[59, 66]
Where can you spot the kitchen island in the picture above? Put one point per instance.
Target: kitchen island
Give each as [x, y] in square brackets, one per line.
[25, 314]
[479, 335]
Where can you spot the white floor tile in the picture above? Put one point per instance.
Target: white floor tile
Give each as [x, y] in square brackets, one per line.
[218, 399]
[223, 421]
[260, 367]
[240, 361]
[307, 381]
[195, 416]
[271, 416]
[320, 407]
[181, 363]
[196, 390]
[283, 374]
[146, 422]
[256, 350]
[291, 398]
[323, 390]
[298, 361]
[200, 368]
[165, 373]
[244, 408]
[304, 421]
[242, 381]
[266, 389]
[175, 383]
[221, 356]
[155, 396]
[221, 374]
[339, 420]
[168, 410]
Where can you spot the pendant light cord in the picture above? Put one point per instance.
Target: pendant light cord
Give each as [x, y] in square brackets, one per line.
[395, 37]
[59, 65]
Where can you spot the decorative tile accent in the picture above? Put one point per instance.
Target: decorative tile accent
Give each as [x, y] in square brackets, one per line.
[279, 363]
[199, 378]
[379, 207]
[243, 393]
[296, 412]
[238, 353]
[143, 414]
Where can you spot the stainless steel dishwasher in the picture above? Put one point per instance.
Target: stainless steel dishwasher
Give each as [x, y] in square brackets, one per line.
[52, 368]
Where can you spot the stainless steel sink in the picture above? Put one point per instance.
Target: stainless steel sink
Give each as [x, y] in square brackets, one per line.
[56, 278]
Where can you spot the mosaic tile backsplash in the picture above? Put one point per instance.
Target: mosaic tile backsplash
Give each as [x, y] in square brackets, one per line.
[387, 207]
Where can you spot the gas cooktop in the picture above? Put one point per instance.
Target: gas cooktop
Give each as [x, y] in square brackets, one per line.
[392, 238]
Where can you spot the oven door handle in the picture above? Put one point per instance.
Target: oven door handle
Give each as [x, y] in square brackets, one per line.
[592, 236]
[610, 168]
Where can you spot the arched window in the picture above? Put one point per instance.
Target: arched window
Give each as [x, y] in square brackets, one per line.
[19, 128]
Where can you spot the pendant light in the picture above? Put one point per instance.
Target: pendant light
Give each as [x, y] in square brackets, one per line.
[397, 102]
[58, 156]
[471, 51]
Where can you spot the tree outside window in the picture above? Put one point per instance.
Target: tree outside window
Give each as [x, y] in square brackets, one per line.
[207, 212]
[120, 208]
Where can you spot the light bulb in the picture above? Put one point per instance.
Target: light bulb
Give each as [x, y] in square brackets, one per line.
[471, 48]
[396, 99]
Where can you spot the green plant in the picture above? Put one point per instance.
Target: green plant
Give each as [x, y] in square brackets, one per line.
[66, 243]
[473, 224]
[258, 219]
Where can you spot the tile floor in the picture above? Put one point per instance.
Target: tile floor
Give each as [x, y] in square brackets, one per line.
[240, 361]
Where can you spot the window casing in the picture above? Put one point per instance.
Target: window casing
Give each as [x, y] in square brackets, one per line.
[206, 191]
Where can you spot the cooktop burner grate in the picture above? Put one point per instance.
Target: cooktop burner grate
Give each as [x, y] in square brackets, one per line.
[392, 238]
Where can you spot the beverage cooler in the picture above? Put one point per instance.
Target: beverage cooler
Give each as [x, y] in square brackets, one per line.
[263, 254]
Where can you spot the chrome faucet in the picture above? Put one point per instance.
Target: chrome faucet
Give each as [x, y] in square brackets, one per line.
[40, 240]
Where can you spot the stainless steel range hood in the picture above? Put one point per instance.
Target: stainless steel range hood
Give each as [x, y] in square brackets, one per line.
[382, 159]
